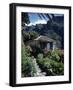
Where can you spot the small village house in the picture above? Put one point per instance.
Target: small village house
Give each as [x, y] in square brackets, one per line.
[43, 42]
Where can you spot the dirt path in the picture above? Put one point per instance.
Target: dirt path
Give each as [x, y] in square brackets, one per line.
[38, 70]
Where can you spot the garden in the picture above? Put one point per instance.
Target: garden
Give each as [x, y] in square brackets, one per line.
[36, 59]
[50, 63]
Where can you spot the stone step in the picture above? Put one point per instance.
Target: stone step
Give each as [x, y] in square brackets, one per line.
[38, 70]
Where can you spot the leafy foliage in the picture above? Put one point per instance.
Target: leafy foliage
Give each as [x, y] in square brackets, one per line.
[29, 35]
[55, 54]
[51, 64]
[28, 68]
[25, 19]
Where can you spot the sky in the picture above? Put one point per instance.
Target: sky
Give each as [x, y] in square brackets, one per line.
[35, 19]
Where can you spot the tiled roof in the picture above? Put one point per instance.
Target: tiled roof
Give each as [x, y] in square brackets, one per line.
[44, 39]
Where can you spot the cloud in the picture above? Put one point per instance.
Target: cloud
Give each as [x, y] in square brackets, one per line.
[41, 22]
[37, 22]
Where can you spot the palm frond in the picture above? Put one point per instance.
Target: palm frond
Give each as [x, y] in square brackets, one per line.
[40, 17]
[43, 15]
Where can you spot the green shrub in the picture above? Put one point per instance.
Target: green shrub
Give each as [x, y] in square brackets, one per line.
[51, 63]
[57, 68]
[28, 68]
[40, 56]
[54, 55]
[30, 35]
